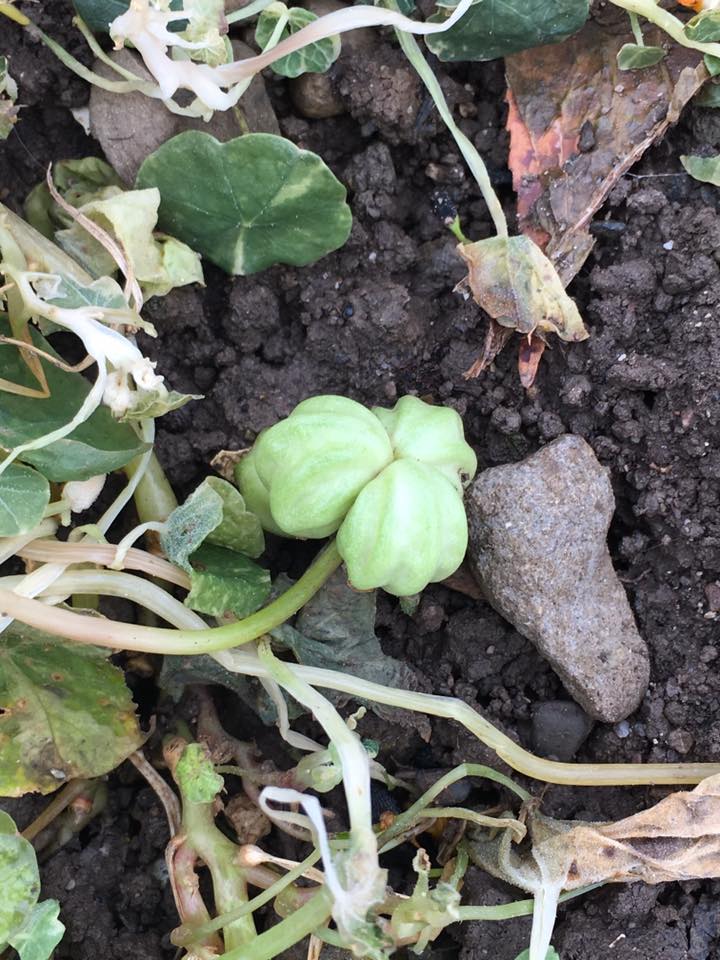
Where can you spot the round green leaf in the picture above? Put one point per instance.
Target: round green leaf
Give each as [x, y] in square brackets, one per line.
[65, 712]
[24, 494]
[314, 58]
[99, 14]
[248, 203]
[631, 56]
[496, 28]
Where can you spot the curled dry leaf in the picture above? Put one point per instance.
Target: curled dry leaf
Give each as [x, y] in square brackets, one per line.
[518, 287]
[677, 839]
[577, 123]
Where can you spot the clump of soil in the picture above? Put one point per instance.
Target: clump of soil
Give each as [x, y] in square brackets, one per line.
[379, 318]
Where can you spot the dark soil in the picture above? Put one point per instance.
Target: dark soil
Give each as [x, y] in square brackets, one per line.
[379, 318]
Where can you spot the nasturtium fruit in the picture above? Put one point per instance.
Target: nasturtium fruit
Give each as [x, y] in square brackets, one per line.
[390, 482]
[316, 57]
[249, 203]
[495, 28]
[406, 529]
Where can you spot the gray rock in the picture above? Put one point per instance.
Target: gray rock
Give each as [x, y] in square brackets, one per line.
[538, 547]
[130, 126]
[559, 728]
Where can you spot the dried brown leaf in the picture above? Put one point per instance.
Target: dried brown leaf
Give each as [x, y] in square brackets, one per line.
[577, 124]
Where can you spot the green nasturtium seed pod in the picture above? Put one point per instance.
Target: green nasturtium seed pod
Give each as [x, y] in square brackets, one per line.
[314, 463]
[406, 529]
[433, 435]
[389, 481]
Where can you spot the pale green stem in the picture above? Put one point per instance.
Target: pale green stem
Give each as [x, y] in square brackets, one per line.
[95, 47]
[125, 636]
[636, 29]
[449, 708]
[472, 157]
[673, 26]
[154, 497]
[277, 33]
[244, 13]
[518, 908]
[280, 937]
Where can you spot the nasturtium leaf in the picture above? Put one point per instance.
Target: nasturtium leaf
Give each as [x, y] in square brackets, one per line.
[704, 28]
[495, 28]
[41, 932]
[99, 445]
[19, 880]
[705, 169]
[8, 96]
[65, 712]
[248, 203]
[215, 512]
[709, 96]
[150, 404]
[24, 495]
[631, 56]
[224, 581]
[99, 14]
[314, 58]
[196, 777]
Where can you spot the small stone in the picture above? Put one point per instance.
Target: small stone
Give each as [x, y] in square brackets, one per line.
[538, 547]
[708, 654]
[712, 594]
[680, 740]
[314, 96]
[559, 729]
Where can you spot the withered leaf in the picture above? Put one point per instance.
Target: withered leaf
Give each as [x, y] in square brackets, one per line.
[577, 123]
[517, 286]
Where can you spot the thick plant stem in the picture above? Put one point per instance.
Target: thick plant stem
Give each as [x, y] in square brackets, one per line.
[13, 14]
[473, 159]
[126, 636]
[283, 935]
[154, 497]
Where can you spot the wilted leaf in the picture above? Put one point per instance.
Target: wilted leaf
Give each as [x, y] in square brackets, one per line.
[496, 28]
[336, 630]
[248, 203]
[631, 56]
[515, 283]
[705, 169]
[215, 512]
[150, 404]
[195, 775]
[65, 712]
[77, 181]
[224, 581]
[41, 932]
[677, 839]
[314, 58]
[575, 130]
[99, 445]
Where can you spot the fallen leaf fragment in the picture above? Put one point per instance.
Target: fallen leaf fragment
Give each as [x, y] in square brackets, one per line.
[577, 123]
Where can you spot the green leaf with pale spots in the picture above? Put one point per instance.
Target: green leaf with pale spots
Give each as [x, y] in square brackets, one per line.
[496, 28]
[215, 511]
[226, 582]
[314, 58]
[19, 879]
[65, 712]
[24, 494]
[41, 932]
[248, 203]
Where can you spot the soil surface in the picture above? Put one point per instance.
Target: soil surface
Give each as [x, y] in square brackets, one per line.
[378, 319]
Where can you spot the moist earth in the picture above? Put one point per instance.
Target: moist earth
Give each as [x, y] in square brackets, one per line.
[380, 318]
